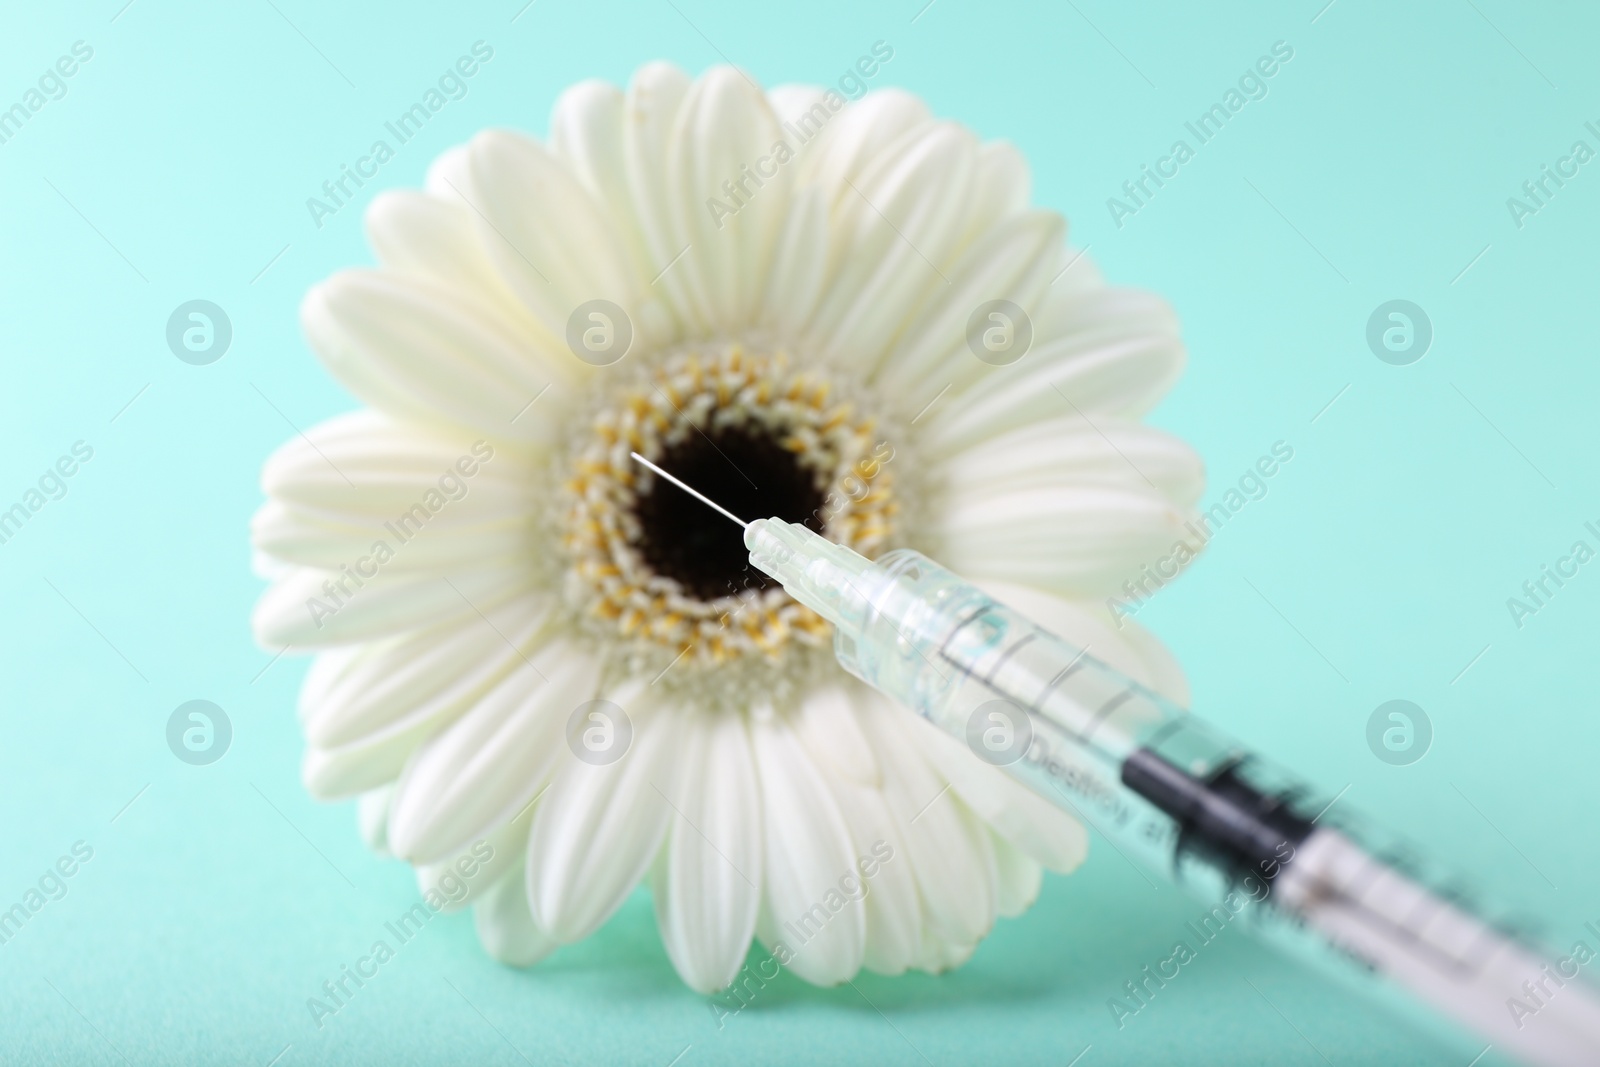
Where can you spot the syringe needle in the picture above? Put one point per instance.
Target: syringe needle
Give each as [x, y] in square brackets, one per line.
[697, 494]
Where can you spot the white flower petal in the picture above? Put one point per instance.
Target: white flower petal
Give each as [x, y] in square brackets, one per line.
[1013, 261]
[940, 955]
[264, 566]
[708, 885]
[494, 760]
[1034, 824]
[365, 465]
[724, 130]
[827, 724]
[790, 102]
[945, 845]
[346, 770]
[467, 876]
[372, 815]
[842, 147]
[893, 907]
[506, 927]
[1075, 540]
[436, 238]
[1071, 504]
[427, 353]
[299, 609]
[808, 850]
[1001, 187]
[597, 829]
[546, 234]
[1070, 450]
[800, 264]
[366, 708]
[1021, 877]
[431, 675]
[449, 174]
[452, 544]
[654, 99]
[588, 129]
[899, 228]
[1080, 276]
[1109, 352]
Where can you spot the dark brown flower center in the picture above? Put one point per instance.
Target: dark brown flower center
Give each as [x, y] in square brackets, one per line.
[746, 471]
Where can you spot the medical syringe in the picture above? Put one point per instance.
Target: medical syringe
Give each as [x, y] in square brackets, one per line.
[1192, 803]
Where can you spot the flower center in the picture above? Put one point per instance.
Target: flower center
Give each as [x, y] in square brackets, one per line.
[653, 566]
[747, 471]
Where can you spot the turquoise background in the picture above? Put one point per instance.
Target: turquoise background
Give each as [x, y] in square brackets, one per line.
[1378, 167]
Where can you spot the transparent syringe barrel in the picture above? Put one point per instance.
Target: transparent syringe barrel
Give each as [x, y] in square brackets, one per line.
[1188, 801]
[1021, 697]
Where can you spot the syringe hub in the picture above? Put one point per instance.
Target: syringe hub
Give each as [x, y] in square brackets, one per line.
[828, 578]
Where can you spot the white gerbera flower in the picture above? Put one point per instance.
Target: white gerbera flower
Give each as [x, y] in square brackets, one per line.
[769, 294]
